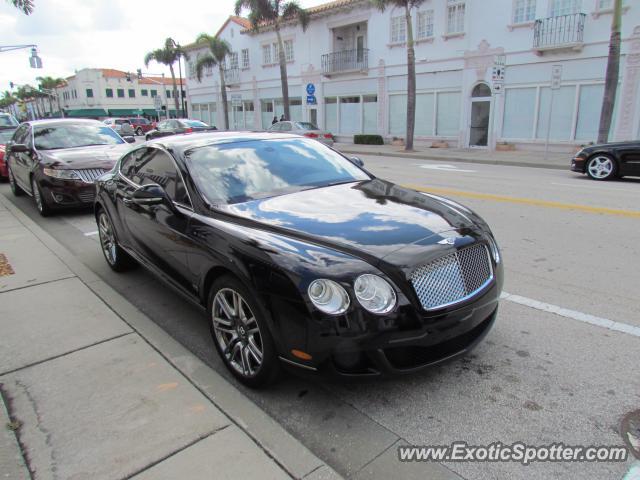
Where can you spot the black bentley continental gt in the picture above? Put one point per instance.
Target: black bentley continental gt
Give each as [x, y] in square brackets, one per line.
[302, 258]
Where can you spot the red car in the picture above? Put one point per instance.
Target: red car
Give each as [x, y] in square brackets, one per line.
[141, 125]
[5, 136]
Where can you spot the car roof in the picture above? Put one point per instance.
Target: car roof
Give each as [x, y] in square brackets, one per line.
[187, 142]
[63, 121]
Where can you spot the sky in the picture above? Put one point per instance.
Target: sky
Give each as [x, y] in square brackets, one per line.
[76, 34]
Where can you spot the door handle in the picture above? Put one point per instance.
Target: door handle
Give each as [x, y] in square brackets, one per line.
[128, 202]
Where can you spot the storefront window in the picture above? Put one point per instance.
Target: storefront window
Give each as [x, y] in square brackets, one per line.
[370, 114]
[349, 115]
[331, 114]
[519, 112]
[448, 121]
[562, 113]
[424, 114]
[397, 115]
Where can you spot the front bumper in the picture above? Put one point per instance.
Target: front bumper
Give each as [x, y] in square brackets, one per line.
[400, 345]
[578, 164]
[60, 193]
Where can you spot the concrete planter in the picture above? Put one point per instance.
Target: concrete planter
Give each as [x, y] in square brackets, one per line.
[440, 144]
[505, 147]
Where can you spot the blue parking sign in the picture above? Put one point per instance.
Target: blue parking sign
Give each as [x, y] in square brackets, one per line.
[311, 88]
[311, 99]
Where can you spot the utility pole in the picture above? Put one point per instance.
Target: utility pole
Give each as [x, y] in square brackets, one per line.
[612, 75]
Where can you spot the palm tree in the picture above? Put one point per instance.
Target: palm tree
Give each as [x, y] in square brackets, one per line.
[612, 75]
[7, 99]
[276, 13]
[407, 6]
[168, 55]
[50, 84]
[25, 5]
[218, 50]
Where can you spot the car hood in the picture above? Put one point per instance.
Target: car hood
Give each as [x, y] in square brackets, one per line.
[98, 156]
[374, 217]
[611, 145]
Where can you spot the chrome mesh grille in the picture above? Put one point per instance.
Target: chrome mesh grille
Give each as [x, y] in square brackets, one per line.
[452, 278]
[88, 175]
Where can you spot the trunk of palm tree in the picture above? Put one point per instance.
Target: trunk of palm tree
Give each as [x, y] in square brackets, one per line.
[283, 74]
[175, 89]
[612, 75]
[411, 83]
[223, 94]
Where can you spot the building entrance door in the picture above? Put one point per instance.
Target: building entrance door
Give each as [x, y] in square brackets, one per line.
[480, 116]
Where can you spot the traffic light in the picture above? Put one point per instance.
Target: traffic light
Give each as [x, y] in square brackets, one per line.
[128, 76]
[11, 84]
[139, 71]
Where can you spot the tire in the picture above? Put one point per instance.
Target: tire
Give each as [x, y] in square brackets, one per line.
[601, 167]
[38, 197]
[15, 188]
[116, 257]
[243, 340]
[139, 132]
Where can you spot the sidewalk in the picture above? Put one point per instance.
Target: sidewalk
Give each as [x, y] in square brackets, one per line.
[519, 158]
[92, 388]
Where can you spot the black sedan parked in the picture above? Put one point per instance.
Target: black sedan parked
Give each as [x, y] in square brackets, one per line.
[176, 126]
[609, 160]
[301, 257]
[57, 161]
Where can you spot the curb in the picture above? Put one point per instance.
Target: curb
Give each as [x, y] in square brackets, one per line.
[413, 156]
[278, 444]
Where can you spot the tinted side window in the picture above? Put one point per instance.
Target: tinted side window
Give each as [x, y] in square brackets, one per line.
[286, 127]
[156, 166]
[129, 162]
[276, 127]
[162, 125]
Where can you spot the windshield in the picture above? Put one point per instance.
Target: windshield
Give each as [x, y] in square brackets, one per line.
[6, 134]
[54, 137]
[8, 121]
[195, 123]
[243, 171]
[306, 126]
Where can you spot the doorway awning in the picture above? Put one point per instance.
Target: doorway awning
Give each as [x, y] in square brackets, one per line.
[86, 112]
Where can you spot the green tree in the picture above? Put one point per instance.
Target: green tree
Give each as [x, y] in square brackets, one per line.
[49, 84]
[168, 55]
[26, 6]
[264, 13]
[7, 99]
[612, 75]
[218, 50]
[407, 6]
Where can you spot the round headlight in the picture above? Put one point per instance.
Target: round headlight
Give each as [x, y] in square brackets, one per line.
[328, 296]
[375, 294]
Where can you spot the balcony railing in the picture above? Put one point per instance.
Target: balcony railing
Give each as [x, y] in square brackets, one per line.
[232, 76]
[559, 32]
[345, 61]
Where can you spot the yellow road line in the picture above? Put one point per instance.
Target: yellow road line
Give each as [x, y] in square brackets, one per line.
[527, 201]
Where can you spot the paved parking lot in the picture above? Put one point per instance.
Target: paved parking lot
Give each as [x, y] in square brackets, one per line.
[560, 365]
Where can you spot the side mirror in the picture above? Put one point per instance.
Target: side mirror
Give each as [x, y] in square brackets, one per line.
[151, 194]
[357, 160]
[19, 148]
[129, 139]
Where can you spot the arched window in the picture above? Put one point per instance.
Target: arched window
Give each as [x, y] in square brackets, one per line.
[481, 90]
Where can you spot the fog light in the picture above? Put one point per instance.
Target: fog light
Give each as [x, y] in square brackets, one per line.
[58, 198]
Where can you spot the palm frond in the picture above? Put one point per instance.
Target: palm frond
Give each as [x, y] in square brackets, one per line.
[202, 63]
[26, 6]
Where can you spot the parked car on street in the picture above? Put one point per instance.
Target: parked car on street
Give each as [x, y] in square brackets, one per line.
[5, 135]
[7, 120]
[141, 125]
[176, 126]
[315, 265]
[57, 161]
[303, 128]
[609, 160]
[121, 125]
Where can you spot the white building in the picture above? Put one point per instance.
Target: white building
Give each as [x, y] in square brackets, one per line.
[355, 58]
[103, 92]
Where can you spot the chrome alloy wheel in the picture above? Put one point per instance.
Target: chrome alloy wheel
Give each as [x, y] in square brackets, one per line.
[107, 238]
[600, 167]
[237, 332]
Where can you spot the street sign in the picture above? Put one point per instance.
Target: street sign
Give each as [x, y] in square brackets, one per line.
[311, 100]
[157, 102]
[236, 100]
[556, 76]
[311, 89]
[497, 76]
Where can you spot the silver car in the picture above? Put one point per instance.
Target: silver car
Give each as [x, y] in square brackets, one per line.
[305, 129]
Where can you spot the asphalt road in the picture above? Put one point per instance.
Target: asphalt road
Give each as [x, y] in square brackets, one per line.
[570, 246]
